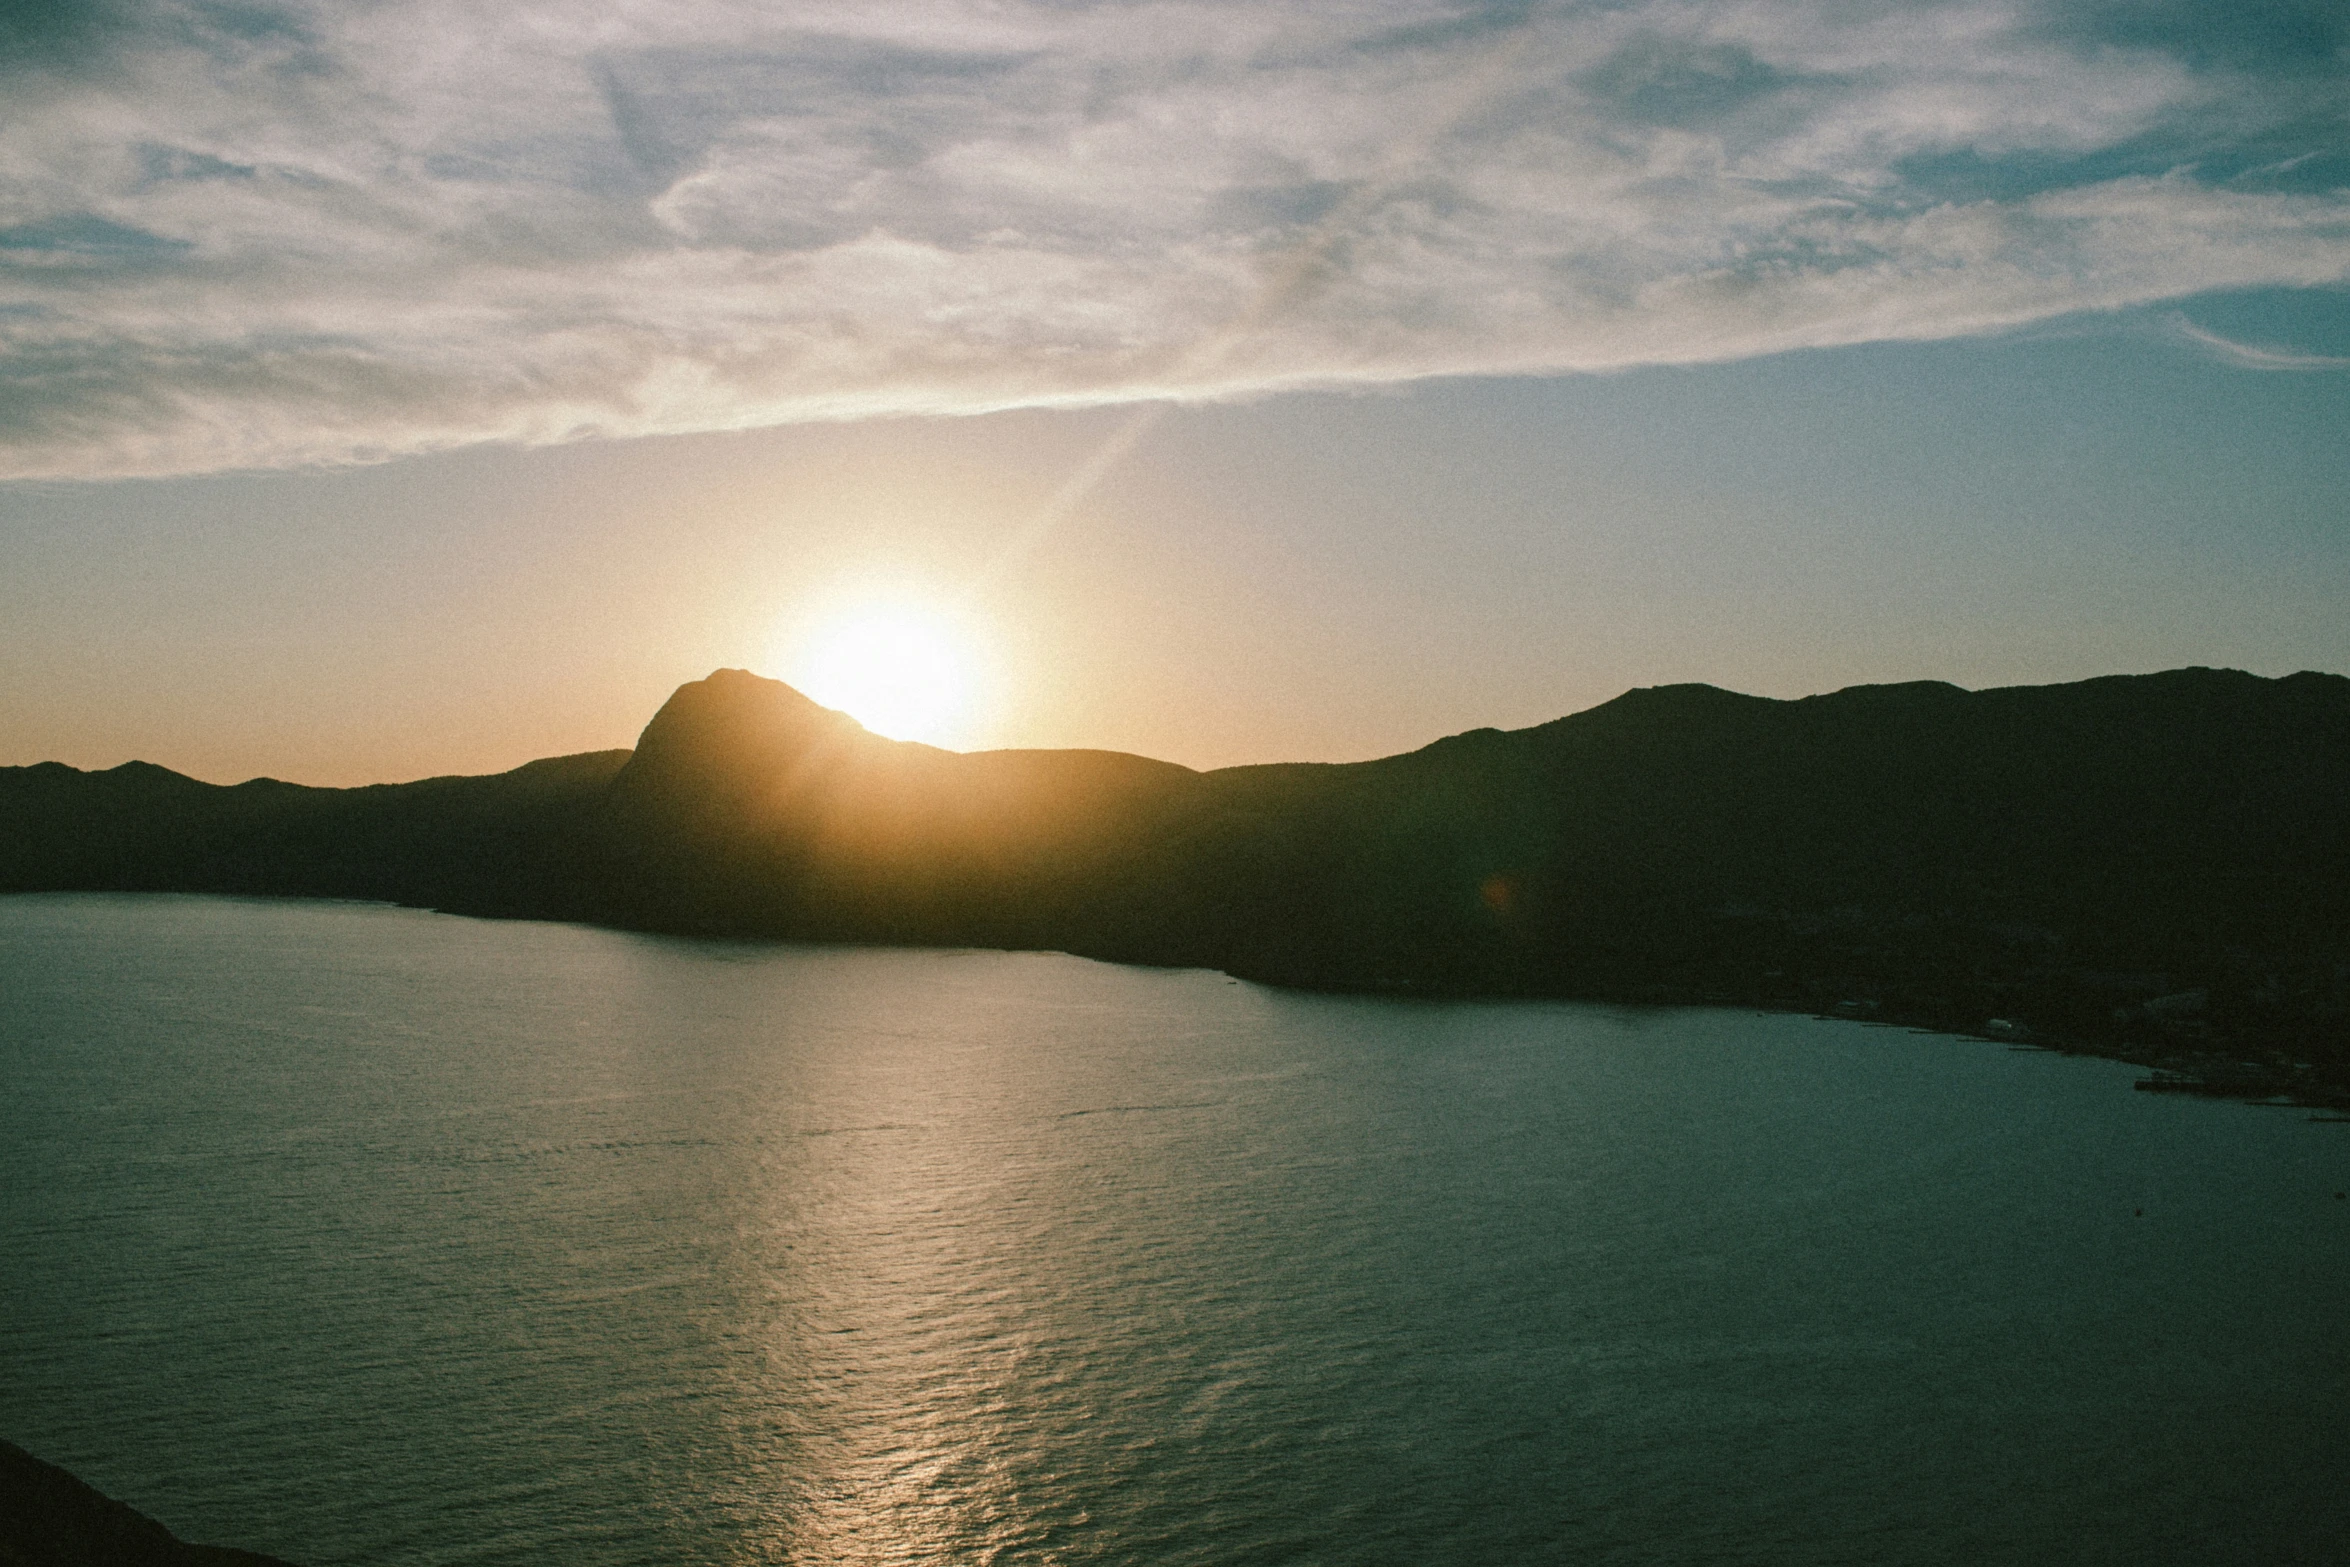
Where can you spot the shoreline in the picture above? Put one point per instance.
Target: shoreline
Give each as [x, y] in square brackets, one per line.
[2187, 1056]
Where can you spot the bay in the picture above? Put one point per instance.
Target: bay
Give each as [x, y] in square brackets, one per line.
[359, 1234]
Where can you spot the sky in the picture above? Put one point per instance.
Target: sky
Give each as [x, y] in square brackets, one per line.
[394, 388]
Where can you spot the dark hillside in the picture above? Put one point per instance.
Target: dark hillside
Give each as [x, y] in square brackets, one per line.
[48, 1518]
[501, 844]
[2156, 865]
[2069, 852]
[746, 807]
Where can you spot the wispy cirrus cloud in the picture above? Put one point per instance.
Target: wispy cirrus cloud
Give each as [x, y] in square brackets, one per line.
[2251, 356]
[290, 232]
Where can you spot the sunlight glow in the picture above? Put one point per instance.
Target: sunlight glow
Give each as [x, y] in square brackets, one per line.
[899, 667]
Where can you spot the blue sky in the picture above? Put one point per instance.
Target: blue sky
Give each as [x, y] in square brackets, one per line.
[390, 388]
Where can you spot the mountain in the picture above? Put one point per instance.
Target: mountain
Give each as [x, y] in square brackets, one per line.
[2156, 864]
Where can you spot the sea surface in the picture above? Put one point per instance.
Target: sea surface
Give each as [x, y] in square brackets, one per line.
[366, 1235]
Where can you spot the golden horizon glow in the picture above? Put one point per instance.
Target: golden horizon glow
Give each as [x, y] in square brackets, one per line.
[902, 667]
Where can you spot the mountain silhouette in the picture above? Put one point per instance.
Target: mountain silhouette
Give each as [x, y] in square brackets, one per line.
[2155, 865]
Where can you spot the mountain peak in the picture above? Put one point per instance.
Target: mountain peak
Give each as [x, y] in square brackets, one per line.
[729, 737]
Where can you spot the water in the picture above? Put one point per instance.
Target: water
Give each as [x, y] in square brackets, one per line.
[365, 1235]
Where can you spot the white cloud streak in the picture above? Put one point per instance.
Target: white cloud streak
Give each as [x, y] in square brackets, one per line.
[2248, 356]
[326, 233]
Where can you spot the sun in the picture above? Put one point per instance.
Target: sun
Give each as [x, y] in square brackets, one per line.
[902, 669]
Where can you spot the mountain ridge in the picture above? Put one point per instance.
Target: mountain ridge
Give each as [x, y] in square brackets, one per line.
[1912, 850]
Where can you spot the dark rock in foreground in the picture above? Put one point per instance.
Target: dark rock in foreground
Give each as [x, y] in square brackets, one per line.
[50, 1519]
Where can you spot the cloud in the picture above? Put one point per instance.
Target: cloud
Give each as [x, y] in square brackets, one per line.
[272, 233]
[2248, 356]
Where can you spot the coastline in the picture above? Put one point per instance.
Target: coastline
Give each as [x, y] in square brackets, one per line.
[2177, 1040]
